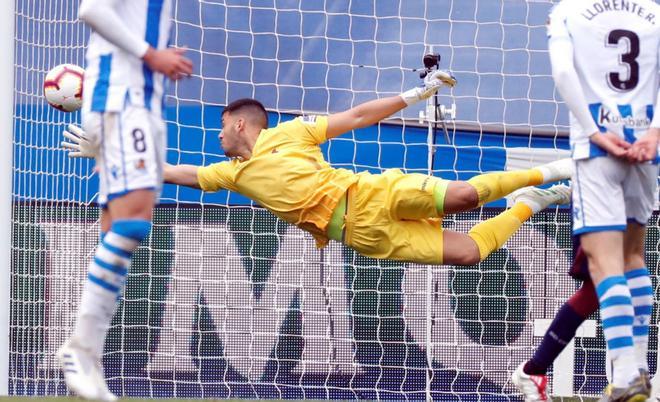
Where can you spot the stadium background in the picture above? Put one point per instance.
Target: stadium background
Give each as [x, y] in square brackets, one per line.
[223, 299]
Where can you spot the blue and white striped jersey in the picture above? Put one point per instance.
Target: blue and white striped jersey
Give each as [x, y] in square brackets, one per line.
[617, 58]
[114, 76]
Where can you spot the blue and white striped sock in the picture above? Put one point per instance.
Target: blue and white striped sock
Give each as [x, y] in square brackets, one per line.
[617, 316]
[641, 290]
[106, 278]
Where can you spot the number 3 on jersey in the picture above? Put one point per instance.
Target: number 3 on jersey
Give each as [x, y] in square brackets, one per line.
[628, 59]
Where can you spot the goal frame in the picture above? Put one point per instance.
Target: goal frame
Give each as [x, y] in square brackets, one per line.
[6, 171]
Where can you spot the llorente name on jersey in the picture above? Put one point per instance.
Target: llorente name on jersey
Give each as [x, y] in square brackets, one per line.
[602, 6]
[607, 117]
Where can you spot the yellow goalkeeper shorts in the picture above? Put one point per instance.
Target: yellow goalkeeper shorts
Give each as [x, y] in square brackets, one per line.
[393, 216]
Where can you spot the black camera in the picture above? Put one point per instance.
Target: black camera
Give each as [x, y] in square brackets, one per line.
[431, 61]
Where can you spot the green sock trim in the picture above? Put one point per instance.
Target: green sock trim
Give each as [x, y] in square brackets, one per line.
[439, 193]
[336, 224]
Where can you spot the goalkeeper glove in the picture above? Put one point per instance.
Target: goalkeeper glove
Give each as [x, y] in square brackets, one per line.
[432, 83]
[80, 145]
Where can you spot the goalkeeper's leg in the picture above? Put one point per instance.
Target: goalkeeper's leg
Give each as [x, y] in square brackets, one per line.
[490, 235]
[462, 196]
[81, 354]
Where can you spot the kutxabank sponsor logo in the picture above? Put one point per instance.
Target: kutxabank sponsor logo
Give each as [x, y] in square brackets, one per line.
[609, 118]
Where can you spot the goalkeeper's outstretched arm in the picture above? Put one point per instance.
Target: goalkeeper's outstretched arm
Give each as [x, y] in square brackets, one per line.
[374, 111]
[79, 145]
[181, 175]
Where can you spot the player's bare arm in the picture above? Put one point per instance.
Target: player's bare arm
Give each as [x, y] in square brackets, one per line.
[372, 112]
[181, 175]
[363, 115]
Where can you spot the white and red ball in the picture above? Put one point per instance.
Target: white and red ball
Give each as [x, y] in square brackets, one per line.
[63, 87]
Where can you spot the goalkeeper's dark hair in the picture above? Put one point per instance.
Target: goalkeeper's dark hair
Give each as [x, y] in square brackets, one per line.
[250, 108]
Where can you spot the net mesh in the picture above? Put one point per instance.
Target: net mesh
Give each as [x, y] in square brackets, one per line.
[224, 300]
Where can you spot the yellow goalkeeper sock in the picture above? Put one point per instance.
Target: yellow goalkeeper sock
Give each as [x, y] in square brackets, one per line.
[493, 186]
[490, 235]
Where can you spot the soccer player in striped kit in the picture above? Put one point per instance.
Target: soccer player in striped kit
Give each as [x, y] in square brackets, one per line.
[605, 58]
[127, 63]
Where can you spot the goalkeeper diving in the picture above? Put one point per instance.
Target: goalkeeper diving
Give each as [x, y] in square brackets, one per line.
[387, 216]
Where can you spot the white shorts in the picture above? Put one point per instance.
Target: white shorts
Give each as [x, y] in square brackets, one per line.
[608, 193]
[131, 152]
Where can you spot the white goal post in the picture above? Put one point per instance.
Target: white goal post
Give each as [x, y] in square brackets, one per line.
[6, 171]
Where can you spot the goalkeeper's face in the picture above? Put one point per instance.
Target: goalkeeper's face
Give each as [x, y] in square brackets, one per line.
[230, 136]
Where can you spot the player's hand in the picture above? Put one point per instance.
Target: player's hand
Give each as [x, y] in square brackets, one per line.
[432, 83]
[170, 62]
[79, 145]
[439, 78]
[611, 143]
[646, 148]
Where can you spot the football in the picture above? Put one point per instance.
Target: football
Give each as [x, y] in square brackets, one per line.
[63, 87]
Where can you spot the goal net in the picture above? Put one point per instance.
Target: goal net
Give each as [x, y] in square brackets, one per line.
[224, 300]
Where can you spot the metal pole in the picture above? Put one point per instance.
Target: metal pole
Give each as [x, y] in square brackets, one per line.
[430, 103]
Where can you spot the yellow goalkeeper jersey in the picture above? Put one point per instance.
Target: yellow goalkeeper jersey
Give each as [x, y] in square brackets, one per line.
[287, 175]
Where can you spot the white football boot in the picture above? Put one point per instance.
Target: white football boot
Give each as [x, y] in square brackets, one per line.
[83, 373]
[561, 169]
[533, 387]
[539, 199]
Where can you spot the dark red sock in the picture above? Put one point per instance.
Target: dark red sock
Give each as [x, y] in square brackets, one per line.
[562, 329]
